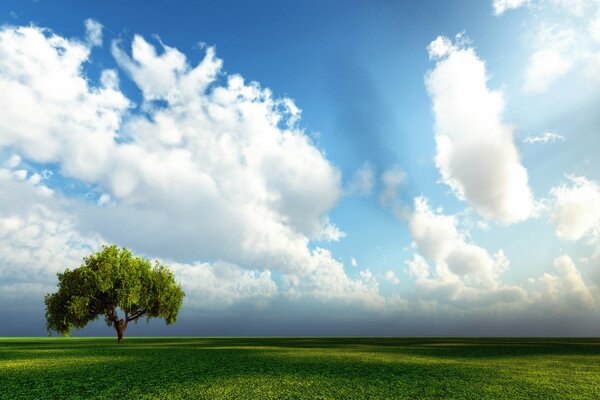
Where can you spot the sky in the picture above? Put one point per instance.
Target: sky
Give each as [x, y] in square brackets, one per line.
[309, 168]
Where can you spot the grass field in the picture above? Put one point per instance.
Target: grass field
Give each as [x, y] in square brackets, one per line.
[299, 368]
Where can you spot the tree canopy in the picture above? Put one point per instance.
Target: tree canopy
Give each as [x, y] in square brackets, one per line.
[117, 285]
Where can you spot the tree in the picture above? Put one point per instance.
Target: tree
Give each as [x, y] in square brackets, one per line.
[109, 282]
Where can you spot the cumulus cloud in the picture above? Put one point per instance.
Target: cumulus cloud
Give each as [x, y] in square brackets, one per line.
[20, 174]
[36, 240]
[225, 158]
[576, 291]
[464, 272]
[209, 167]
[50, 112]
[391, 277]
[475, 152]
[221, 285]
[440, 47]
[501, 6]
[576, 209]
[328, 281]
[546, 137]
[566, 289]
[13, 161]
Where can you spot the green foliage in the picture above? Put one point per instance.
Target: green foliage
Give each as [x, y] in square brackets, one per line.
[108, 282]
[300, 368]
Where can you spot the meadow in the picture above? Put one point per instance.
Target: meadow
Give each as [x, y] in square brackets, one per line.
[299, 368]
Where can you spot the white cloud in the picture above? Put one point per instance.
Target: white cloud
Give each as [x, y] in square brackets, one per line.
[219, 286]
[20, 174]
[362, 181]
[501, 6]
[564, 36]
[93, 31]
[353, 262]
[330, 232]
[566, 289]
[391, 180]
[575, 7]
[475, 152]
[225, 159]
[329, 282]
[464, 272]
[50, 113]
[551, 60]
[546, 137]
[36, 241]
[13, 161]
[104, 199]
[418, 267]
[576, 291]
[35, 179]
[576, 209]
[213, 168]
[391, 277]
[595, 27]
[166, 76]
[440, 48]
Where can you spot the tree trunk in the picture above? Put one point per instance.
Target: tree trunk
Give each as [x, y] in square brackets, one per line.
[120, 327]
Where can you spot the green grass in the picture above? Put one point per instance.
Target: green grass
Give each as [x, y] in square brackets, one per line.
[299, 368]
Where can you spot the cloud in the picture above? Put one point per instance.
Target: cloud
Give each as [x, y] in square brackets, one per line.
[13, 161]
[20, 174]
[209, 171]
[475, 152]
[576, 290]
[104, 199]
[329, 282]
[391, 180]
[451, 271]
[219, 286]
[362, 181]
[464, 272]
[566, 289]
[36, 240]
[546, 137]
[551, 60]
[232, 165]
[565, 38]
[50, 112]
[501, 6]
[440, 48]
[93, 31]
[391, 277]
[576, 209]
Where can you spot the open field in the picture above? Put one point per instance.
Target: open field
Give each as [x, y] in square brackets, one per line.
[299, 368]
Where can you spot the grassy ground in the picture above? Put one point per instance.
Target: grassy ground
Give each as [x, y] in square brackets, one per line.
[299, 368]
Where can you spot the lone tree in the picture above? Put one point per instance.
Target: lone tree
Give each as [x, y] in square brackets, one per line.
[108, 282]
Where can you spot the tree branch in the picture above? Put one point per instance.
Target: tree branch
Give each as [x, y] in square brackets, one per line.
[136, 315]
[112, 316]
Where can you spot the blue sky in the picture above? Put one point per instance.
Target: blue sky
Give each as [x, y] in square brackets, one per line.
[310, 168]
